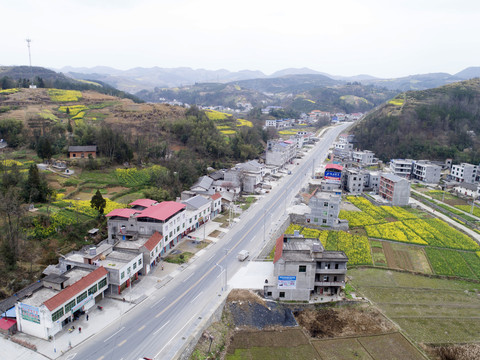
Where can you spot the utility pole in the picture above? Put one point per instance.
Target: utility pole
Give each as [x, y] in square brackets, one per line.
[30, 61]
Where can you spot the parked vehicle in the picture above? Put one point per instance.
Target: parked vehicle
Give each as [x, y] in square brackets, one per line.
[242, 255]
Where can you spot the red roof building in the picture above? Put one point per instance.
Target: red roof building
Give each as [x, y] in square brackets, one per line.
[162, 211]
[124, 213]
[73, 290]
[143, 202]
[153, 241]
[278, 249]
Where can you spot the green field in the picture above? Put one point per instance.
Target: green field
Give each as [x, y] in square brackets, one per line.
[429, 310]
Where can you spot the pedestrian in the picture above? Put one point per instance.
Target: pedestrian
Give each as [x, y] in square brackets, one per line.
[162, 266]
[79, 330]
[87, 317]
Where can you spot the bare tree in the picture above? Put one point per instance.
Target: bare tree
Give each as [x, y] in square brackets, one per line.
[11, 211]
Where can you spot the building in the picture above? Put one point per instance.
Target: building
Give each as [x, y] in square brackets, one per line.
[325, 208]
[147, 217]
[271, 123]
[354, 180]
[364, 158]
[402, 167]
[333, 173]
[466, 189]
[198, 212]
[123, 268]
[372, 181]
[394, 189]
[426, 171]
[62, 297]
[216, 204]
[248, 174]
[279, 152]
[82, 152]
[464, 173]
[304, 269]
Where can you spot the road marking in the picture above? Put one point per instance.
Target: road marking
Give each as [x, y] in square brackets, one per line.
[71, 356]
[123, 342]
[141, 328]
[155, 333]
[174, 336]
[211, 257]
[113, 334]
[221, 272]
[195, 298]
[188, 277]
[156, 302]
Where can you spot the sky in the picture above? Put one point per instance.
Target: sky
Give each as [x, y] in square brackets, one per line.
[339, 37]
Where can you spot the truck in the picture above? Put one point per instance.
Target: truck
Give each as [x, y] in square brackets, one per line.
[242, 255]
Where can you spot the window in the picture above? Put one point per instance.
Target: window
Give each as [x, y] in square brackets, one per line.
[139, 262]
[134, 265]
[334, 278]
[281, 294]
[92, 290]
[178, 228]
[190, 220]
[69, 306]
[57, 314]
[81, 297]
[336, 266]
[122, 275]
[324, 221]
[102, 283]
[129, 270]
[195, 217]
[170, 234]
[302, 268]
[325, 278]
[325, 204]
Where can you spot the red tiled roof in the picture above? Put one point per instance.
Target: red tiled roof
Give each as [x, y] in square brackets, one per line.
[162, 211]
[153, 241]
[278, 249]
[75, 289]
[334, 166]
[216, 196]
[143, 202]
[122, 212]
[6, 324]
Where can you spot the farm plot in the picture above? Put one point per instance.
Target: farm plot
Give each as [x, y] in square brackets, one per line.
[411, 258]
[449, 262]
[428, 309]
[394, 231]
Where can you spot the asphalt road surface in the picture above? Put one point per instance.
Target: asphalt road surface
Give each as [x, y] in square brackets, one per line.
[160, 326]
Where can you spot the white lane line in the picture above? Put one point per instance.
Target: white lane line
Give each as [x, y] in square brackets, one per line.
[113, 334]
[188, 277]
[195, 298]
[155, 333]
[211, 257]
[174, 337]
[156, 302]
[220, 274]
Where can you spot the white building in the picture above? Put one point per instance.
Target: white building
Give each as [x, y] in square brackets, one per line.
[364, 158]
[402, 167]
[325, 208]
[464, 173]
[394, 189]
[426, 171]
[279, 152]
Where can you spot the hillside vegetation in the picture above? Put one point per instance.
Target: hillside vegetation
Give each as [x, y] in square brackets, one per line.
[433, 124]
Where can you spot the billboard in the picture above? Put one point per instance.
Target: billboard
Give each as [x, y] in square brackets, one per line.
[333, 176]
[30, 313]
[287, 282]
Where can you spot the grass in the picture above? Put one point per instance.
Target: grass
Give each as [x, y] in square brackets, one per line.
[248, 202]
[179, 258]
[429, 310]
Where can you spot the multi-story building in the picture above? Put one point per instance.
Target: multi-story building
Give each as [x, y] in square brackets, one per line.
[464, 173]
[402, 167]
[354, 180]
[59, 298]
[342, 150]
[394, 189]
[198, 212]
[426, 171]
[145, 218]
[364, 158]
[304, 269]
[324, 209]
[279, 152]
[372, 181]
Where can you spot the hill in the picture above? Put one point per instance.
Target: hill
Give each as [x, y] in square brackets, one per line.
[433, 124]
[415, 82]
[23, 76]
[300, 93]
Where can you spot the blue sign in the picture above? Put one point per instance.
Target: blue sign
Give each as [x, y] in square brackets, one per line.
[287, 282]
[333, 175]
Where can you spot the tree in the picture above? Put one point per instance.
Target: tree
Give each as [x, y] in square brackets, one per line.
[44, 148]
[35, 188]
[11, 212]
[98, 202]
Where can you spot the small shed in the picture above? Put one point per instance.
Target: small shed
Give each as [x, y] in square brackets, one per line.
[82, 152]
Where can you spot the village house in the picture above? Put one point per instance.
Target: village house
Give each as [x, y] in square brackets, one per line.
[464, 173]
[304, 270]
[198, 212]
[325, 208]
[82, 152]
[425, 171]
[59, 299]
[402, 167]
[279, 152]
[394, 189]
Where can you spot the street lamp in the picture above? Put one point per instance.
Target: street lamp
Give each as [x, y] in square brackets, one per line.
[221, 271]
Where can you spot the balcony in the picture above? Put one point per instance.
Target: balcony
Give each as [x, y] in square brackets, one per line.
[329, 283]
[319, 270]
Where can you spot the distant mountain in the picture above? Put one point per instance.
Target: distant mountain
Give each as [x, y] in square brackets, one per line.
[288, 83]
[469, 73]
[430, 124]
[295, 71]
[414, 82]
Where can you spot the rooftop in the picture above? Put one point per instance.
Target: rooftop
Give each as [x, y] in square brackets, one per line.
[144, 202]
[162, 211]
[196, 202]
[82, 148]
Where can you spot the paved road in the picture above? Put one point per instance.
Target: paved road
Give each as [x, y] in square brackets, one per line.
[160, 326]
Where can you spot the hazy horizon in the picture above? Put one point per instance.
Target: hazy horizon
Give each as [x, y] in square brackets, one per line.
[344, 39]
